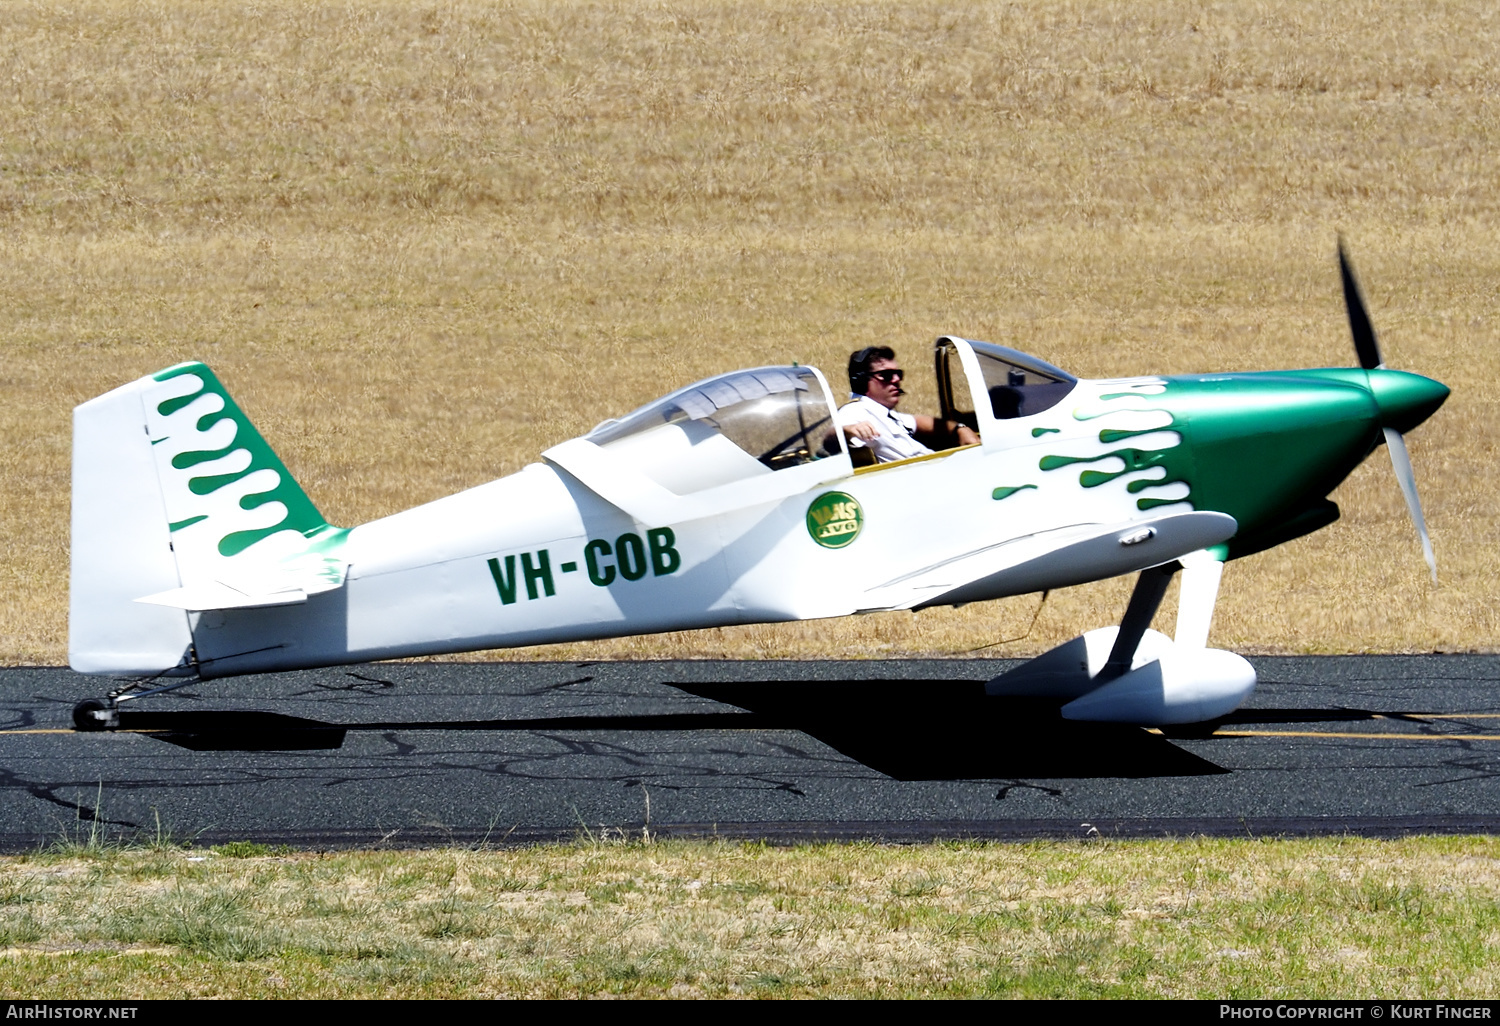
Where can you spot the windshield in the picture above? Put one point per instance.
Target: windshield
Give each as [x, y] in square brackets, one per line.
[1017, 383]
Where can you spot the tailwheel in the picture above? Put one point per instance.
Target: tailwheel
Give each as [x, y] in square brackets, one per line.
[96, 714]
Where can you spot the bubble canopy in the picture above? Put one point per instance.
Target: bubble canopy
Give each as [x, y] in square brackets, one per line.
[779, 416]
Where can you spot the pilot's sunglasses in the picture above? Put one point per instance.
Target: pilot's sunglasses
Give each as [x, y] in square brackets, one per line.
[888, 376]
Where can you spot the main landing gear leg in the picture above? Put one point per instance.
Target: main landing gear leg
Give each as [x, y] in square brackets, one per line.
[1145, 600]
[104, 713]
[1201, 574]
[1077, 667]
[1130, 674]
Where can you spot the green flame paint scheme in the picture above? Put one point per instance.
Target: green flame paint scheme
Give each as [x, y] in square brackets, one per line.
[199, 428]
[732, 500]
[1266, 447]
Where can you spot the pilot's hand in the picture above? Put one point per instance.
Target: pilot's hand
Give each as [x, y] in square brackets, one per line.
[966, 435]
[862, 430]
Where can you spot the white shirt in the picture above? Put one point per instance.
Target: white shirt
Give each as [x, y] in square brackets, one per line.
[897, 431]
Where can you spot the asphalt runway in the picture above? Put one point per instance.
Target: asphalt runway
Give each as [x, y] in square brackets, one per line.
[897, 750]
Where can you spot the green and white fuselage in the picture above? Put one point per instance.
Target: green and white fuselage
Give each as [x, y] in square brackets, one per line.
[731, 501]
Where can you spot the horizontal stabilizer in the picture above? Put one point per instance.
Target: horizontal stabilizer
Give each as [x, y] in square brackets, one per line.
[217, 595]
[286, 584]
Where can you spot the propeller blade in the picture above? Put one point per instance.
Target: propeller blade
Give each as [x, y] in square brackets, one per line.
[1365, 346]
[1401, 461]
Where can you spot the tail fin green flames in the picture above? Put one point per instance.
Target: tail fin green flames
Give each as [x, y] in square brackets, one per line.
[223, 485]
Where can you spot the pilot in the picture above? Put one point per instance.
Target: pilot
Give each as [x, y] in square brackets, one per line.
[870, 421]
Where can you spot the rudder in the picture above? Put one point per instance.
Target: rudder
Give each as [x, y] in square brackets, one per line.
[121, 547]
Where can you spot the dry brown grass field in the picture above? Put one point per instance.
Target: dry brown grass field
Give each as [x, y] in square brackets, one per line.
[421, 242]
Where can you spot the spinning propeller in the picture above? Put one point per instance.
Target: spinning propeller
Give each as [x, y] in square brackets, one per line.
[1368, 352]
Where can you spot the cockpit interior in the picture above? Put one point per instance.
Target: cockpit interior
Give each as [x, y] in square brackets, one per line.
[753, 423]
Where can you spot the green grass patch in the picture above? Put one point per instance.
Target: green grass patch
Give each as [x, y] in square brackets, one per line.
[1340, 917]
[249, 850]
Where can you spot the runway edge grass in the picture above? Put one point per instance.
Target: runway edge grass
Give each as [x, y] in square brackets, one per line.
[1331, 917]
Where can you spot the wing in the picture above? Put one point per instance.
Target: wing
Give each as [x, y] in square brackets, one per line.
[1052, 559]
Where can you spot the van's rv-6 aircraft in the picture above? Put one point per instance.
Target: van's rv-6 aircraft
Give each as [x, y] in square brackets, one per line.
[734, 500]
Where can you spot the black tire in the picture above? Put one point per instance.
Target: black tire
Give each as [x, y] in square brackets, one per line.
[95, 714]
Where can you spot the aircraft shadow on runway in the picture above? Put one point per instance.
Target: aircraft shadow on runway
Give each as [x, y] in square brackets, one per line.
[233, 731]
[951, 730]
[908, 729]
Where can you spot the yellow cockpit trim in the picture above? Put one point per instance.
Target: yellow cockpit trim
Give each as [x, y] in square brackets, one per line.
[914, 459]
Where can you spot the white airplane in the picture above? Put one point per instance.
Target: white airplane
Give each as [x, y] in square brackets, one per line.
[733, 500]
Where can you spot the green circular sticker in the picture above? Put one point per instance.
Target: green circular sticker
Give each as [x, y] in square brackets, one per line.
[834, 519]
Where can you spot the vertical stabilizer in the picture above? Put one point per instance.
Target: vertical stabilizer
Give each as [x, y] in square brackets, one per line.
[180, 506]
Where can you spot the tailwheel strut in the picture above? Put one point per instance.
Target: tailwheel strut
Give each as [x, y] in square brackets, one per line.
[94, 714]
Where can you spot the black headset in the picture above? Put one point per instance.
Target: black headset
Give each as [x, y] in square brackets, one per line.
[859, 366]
